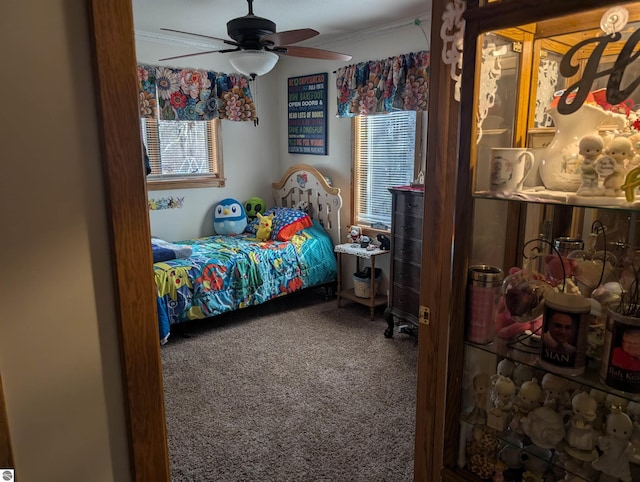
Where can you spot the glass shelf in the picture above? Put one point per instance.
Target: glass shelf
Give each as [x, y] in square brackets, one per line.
[516, 453]
[519, 353]
[544, 196]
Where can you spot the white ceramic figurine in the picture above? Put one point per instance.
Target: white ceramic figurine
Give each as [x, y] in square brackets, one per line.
[613, 165]
[497, 417]
[529, 397]
[481, 387]
[590, 148]
[616, 448]
[556, 391]
[580, 435]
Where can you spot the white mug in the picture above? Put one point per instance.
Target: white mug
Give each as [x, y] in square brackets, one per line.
[509, 168]
[533, 179]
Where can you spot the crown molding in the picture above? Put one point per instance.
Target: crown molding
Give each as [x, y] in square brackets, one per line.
[372, 32]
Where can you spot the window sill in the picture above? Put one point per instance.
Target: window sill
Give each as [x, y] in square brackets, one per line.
[184, 183]
[373, 233]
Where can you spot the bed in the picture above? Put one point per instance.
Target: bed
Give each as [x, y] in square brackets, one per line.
[208, 276]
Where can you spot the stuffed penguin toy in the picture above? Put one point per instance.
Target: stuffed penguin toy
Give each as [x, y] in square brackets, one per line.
[229, 217]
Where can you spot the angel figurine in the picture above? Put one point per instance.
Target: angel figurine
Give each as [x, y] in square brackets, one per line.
[580, 435]
[527, 399]
[590, 148]
[504, 389]
[556, 391]
[481, 387]
[616, 447]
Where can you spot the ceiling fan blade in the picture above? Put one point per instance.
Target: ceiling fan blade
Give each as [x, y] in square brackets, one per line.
[289, 36]
[200, 53]
[311, 53]
[226, 41]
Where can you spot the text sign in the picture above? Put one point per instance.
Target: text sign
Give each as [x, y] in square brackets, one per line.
[307, 110]
[575, 95]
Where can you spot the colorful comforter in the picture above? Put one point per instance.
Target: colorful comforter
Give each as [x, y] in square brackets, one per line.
[226, 273]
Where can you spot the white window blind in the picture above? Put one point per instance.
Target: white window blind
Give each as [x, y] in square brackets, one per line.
[182, 149]
[385, 156]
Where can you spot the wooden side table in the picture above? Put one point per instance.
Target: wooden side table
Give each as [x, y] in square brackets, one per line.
[355, 250]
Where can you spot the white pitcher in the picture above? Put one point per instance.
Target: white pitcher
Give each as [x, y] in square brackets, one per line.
[560, 161]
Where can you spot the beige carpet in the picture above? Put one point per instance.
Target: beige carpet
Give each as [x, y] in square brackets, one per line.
[294, 390]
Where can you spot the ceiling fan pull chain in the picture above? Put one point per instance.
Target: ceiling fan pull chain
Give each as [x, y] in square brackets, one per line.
[256, 121]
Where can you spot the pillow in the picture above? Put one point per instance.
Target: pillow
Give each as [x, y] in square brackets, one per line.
[286, 223]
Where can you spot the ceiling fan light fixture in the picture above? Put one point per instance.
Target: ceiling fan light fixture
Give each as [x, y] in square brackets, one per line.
[253, 62]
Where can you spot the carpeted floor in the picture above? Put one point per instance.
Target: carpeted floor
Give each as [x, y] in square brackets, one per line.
[294, 390]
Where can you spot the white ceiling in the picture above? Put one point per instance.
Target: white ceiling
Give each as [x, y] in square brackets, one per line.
[334, 19]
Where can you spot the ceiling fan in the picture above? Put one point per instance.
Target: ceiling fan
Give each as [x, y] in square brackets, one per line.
[256, 44]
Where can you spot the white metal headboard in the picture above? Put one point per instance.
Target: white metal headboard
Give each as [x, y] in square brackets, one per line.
[305, 183]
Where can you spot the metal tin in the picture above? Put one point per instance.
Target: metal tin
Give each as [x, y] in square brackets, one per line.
[620, 368]
[483, 294]
[565, 325]
[484, 275]
[565, 244]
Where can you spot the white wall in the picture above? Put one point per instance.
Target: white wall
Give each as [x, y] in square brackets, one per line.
[59, 354]
[337, 164]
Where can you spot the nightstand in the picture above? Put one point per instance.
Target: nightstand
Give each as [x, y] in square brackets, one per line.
[355, 250]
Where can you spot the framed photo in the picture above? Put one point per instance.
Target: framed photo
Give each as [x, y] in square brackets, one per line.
[540, 137]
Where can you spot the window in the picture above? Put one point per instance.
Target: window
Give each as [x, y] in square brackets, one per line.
[387, 152]
[183, 154]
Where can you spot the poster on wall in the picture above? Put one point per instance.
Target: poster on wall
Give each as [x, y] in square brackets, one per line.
[307, 108]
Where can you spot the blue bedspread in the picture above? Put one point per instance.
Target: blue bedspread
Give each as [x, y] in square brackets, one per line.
[226, 273]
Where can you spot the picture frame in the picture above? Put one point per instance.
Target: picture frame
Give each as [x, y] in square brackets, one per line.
[307, 114]
[540, 137]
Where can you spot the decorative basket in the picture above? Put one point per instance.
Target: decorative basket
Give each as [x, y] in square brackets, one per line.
[362, 286]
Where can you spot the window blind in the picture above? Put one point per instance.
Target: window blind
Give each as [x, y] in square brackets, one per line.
[385, 156]
[181, 148]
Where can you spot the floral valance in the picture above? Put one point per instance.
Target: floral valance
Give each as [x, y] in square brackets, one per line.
[191, 94]
[379, 86]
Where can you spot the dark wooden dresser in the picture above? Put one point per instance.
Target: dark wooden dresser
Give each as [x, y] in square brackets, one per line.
[406, 254]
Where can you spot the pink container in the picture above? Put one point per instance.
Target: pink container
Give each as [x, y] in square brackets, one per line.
[483, 295]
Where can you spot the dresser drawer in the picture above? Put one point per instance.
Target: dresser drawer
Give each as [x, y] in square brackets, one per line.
[406, 299]
[410, 204]
[406, 274]
[407, 226]
[407, 250]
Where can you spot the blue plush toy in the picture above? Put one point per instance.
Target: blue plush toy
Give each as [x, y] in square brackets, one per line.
[229, 217]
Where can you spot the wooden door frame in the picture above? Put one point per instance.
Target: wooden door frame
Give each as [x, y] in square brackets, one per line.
[433, 439]
[115, 78]
[113, 54]
[6, 453]
[114, 59]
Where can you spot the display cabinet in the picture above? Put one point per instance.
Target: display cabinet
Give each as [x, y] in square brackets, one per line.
[546, 211]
